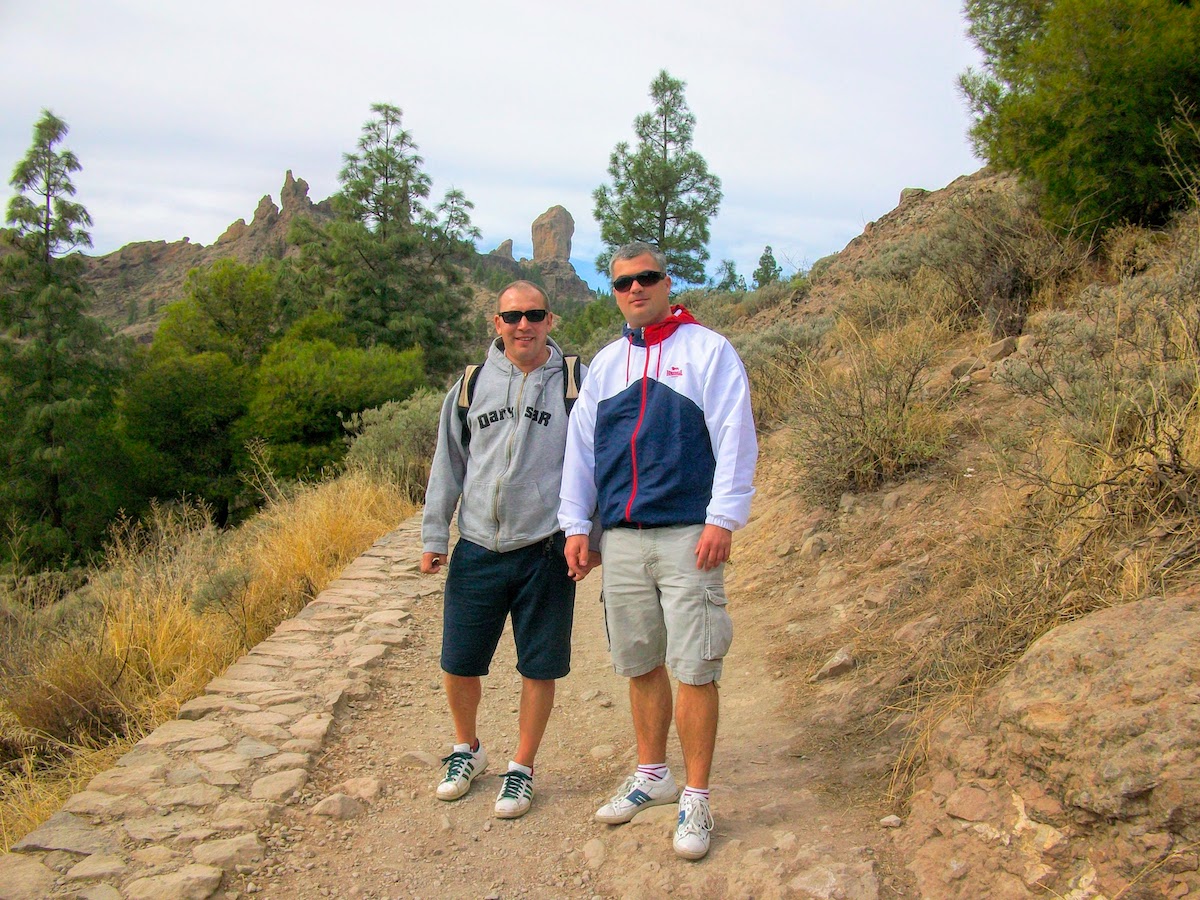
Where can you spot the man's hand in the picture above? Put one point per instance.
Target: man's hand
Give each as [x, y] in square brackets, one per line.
[431, 563]
[580, 559]
[713, 547]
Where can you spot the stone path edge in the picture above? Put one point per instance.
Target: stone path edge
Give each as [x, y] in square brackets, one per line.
[186, 808]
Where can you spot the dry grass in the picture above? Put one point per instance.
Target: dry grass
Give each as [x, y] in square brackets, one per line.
[1103, 492]
[1109, 511]
[176, 602]
[862, 417]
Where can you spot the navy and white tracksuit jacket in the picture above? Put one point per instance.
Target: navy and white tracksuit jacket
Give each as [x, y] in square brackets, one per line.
[662, 433]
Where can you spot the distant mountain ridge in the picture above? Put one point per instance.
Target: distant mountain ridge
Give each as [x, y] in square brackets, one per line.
[133, 284]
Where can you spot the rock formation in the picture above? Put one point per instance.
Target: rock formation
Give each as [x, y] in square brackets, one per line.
[552, 232]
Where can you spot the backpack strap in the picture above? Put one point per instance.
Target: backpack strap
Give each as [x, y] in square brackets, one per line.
[572, 376]
[466, 393]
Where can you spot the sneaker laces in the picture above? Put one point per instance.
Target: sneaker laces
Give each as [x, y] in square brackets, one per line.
[626, 789]
[696, 817]
[456, 762]
[516, 785]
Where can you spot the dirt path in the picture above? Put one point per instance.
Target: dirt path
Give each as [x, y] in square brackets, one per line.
[779, 833]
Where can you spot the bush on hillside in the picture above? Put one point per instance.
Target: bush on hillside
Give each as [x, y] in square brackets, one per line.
[862, 417]
[1120, 373]
[772, 357]
[396, 441]
[993, 253]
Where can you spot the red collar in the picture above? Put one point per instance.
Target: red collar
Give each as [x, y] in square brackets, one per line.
[660, 331]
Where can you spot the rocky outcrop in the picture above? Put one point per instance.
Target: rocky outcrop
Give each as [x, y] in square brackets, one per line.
[135, 282]
[1081, 775]
[552, 232]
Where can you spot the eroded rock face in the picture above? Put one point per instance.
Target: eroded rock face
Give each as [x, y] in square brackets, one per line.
[1079, 772]
[552, 232]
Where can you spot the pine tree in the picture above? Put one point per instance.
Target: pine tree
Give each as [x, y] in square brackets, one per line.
[386, 263]
[661, 192]
[58, 365]
[768, 270]
[1075, 96]
[727, 280]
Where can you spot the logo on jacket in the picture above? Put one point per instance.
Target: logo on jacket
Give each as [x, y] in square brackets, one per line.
[674, 372]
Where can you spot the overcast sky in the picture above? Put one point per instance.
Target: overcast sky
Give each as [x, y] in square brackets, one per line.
[815, 115]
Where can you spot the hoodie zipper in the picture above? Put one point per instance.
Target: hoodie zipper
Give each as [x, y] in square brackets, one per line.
[508, 457]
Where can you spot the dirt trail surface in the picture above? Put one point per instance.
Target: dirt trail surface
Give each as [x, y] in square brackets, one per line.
[781, 831]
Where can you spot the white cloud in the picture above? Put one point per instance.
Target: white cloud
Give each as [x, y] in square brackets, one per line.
[814, 115]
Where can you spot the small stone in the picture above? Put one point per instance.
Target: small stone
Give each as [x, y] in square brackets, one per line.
[838, 664]
[339, 807]
[891, 822]
[603, 751]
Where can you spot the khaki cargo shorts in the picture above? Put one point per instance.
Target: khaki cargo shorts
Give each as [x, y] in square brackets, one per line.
[659, 608]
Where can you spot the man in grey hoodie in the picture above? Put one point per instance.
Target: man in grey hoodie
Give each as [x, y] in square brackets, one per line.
[509, 558]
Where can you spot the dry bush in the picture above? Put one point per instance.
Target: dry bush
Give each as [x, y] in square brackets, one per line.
[878, 305]
[1109, 510]
[1119, 373]
[861, 418]
[165, 621]
[993, 253]
[772, 357]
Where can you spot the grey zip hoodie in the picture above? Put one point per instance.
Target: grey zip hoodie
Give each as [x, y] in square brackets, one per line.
[509, 477]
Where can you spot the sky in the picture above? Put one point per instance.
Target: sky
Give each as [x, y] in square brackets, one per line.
[814, 115]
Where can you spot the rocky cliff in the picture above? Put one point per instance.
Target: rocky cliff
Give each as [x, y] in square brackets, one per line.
[134, 283]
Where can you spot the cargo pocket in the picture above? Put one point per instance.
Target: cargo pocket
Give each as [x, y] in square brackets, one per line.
[718, 627]
[607, 635]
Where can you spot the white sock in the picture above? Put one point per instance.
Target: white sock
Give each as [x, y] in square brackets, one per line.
[690, 791]
[514, 766]
[654, 771]
[466, 748]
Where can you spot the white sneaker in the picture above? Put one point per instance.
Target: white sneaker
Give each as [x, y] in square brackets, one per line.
[461, 768]
[695, 824]
[637, 793]
[516, 795]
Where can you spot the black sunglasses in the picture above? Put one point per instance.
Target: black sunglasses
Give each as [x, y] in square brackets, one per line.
[646, 279]
[513, 316]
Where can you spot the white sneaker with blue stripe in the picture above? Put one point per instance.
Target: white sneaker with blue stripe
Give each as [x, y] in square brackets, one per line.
[693, 827]
[637, 793]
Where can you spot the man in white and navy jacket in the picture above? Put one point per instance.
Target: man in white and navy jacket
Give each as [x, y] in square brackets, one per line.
[661, 443]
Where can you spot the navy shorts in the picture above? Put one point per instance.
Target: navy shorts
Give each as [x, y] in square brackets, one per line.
[484, 587]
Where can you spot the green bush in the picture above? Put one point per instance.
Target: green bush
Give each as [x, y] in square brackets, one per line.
[396, 441]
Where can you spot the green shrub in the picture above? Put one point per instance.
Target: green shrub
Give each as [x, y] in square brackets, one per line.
[396, 441]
